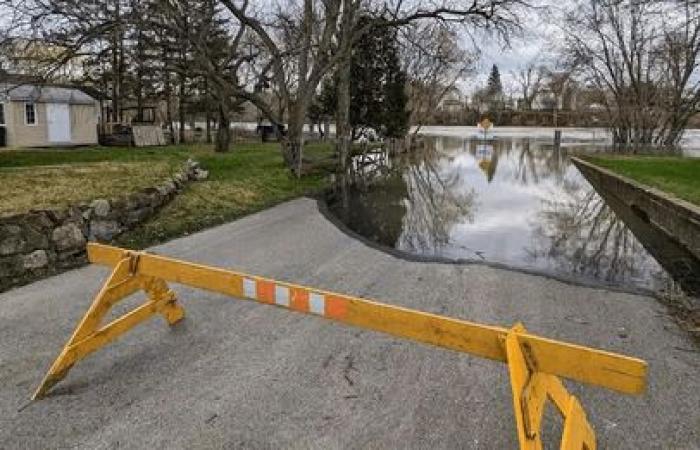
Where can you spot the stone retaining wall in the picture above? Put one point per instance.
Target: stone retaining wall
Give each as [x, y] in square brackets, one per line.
[45, 242]
[678, 219]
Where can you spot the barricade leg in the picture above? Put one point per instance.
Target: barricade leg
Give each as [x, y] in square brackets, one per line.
[88, 336]
[531, 389]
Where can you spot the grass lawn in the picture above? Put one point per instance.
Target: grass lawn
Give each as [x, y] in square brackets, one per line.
[37, 187]
[250, 178]
[674, 175]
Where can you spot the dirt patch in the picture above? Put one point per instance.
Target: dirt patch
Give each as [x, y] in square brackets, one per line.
[686, 311]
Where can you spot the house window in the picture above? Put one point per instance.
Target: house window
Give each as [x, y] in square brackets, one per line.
[148, 115]
[2, 114]
[30, 113]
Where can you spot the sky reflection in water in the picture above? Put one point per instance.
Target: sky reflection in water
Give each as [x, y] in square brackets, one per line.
[516, 202]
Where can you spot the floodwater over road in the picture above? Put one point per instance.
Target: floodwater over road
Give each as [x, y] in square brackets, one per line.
[513, 201]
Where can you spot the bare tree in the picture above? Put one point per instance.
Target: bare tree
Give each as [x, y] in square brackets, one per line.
[560, 85]
[529, 79]
[291, 46]
[644, 56]
[43, 37]
[434, 60]
[324, 33]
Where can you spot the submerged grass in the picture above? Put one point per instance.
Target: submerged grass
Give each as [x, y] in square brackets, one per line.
[675, 175]
[251, 177]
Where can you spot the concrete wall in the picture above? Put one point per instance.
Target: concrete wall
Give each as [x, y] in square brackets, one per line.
[678, 219]
[83, 120]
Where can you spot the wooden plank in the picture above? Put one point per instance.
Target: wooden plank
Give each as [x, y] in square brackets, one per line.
[577, 433]
[520, 376]
[110, 332]
[613, 371]
[576, 362]
[119, 284]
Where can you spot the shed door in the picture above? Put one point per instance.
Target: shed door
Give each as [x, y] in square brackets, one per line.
[58, 120]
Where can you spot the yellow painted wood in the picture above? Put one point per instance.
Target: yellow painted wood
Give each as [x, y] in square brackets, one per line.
[532, 361]
[118, 283]
[558, 394]
[159, 293]
[530, 391]
[113, 330]
[527, 428]
[115, 284]
[579, 363]
[110, 297]
[87, 337]
[577, 434]
[597, 367]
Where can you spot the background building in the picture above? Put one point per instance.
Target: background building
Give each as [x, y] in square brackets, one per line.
[45, 116]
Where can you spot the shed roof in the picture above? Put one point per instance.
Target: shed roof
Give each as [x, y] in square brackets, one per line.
[45, 94]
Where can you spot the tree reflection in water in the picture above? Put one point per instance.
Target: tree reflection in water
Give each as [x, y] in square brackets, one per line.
[434, 203]
[517, 202]
[581, 234]
[410, 202]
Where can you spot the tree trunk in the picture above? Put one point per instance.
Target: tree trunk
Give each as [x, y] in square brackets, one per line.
[117, 55]
[167, 87]
[181, 109]
[293, 141]
[223, 133]
[293, 146]
[343, 130]
[169, 108]
[183, 76]
[141, 57]
[207, 98]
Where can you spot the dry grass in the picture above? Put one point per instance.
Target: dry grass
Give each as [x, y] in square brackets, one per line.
[25, 188]
[251, 177]
[685, 310]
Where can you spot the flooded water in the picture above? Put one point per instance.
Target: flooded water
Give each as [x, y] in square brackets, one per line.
[516, 202]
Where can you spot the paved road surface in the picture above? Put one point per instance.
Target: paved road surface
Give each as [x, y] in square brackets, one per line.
[237, 374]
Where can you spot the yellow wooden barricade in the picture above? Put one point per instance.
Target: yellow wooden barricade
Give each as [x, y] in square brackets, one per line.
[534, 362]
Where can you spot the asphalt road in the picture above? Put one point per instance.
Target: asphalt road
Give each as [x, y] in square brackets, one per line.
[238, 374]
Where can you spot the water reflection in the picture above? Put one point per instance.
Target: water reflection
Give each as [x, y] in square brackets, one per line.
[577, 232]
[517, 202]
[437, 200]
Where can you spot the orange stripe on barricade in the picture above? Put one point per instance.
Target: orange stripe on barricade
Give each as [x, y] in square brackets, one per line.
[300, 299]
[336, 307]
[265, 291]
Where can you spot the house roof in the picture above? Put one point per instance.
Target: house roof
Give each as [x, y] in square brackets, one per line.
[45, 94]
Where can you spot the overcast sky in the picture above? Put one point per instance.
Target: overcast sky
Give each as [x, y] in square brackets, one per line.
[538, 41]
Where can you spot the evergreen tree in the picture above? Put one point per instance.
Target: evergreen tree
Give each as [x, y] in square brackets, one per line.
[494, 90]
[395, 115]
[495, 87]
[366, 73]
[377, 93]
